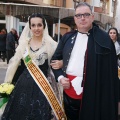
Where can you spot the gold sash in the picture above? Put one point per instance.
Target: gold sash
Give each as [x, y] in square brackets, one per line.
[45, 87]
[118, 72]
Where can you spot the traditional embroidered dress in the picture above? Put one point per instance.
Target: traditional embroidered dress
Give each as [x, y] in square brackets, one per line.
[27, 102]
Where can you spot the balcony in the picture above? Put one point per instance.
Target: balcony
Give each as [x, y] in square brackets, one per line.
[100, 10]
[57, 3]
[24, 1]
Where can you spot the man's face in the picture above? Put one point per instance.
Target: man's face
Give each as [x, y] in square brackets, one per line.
[13, 31]
[83, 18]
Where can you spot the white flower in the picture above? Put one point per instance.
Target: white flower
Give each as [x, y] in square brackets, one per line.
[6, 88]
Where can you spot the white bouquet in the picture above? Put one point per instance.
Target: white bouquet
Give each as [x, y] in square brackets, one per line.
[5, 91]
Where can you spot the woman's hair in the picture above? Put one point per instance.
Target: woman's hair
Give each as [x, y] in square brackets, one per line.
[4, 30]
[113, 28]
[36, 15]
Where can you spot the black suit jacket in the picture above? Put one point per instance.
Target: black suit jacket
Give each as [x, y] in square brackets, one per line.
[10, 41]
[63, 52]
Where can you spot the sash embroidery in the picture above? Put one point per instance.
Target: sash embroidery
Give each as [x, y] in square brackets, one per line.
[45, 87]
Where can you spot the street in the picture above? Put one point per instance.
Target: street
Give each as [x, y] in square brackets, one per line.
[3, 68]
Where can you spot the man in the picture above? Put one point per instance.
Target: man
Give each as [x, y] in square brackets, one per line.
[10, 44]
[56, 37]
[3, 35]
[89, 73]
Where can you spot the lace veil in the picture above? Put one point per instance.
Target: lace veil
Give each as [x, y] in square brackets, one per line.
[26, 35]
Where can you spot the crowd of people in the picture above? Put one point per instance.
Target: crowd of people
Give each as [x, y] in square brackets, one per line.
[84, 72]
[8, 43]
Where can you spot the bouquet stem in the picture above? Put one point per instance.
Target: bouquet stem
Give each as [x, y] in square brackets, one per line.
[3, 101]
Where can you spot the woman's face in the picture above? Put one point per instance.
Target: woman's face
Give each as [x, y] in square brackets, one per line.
[37, 27]
[113, 34]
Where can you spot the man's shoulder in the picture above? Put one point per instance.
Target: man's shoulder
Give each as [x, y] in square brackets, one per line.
[71, 32]
[101, 32]
[102, 38]
[68, 36]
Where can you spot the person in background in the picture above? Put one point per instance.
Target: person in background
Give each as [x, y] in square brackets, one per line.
[3, 35]
[56, 37]
[113, 33]
[89, 75]
[10, 44]
[16, 38]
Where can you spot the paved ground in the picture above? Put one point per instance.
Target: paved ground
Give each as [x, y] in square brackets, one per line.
[3, 68]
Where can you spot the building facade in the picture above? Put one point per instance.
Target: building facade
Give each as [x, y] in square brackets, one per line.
[58, 13]
[117, 18]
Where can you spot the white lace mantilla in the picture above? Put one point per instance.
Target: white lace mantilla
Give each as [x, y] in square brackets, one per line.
[45, 52]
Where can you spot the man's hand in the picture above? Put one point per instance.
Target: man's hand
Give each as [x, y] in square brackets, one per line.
[65, 82]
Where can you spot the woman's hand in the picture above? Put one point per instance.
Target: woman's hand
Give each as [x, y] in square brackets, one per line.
[57, 64]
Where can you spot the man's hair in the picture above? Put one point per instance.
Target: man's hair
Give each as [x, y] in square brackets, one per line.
[84, 4]
[13, 29]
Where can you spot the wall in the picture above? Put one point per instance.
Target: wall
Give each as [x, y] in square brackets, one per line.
[96, 3]
[63, 28]
[33, 1]
[110, 8]
[11, 22]
[25, 1]
[117, 18]
[69, 4]
[47, 1]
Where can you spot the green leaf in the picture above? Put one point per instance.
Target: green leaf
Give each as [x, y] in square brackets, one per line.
[3, 101]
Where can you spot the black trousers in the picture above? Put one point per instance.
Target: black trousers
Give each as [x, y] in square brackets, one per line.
[72, 107]
[10, 54]
[3, 55]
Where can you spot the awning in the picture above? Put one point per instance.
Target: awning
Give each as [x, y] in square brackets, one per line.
[52, 13]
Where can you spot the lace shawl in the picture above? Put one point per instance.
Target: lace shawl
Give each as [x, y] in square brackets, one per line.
[49, 46]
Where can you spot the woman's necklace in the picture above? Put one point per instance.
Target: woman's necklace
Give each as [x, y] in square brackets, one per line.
[34, 50]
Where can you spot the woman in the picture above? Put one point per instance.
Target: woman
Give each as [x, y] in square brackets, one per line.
[27, 102]
[113, 32]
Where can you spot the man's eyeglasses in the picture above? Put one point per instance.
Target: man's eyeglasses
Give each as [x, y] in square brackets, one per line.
[85, 15]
